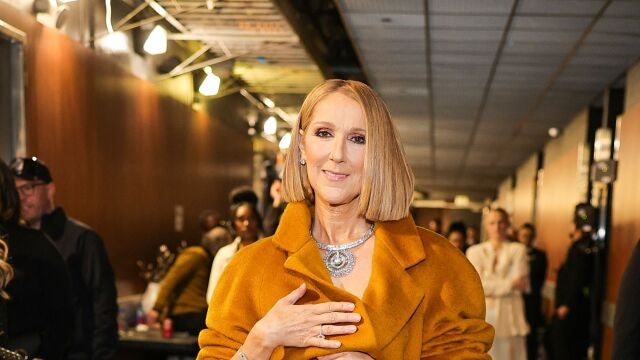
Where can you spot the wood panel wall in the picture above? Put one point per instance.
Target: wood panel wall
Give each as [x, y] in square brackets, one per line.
[122, 155]
[524, 192]
[625, 222]
[504, 197]
[559, 193]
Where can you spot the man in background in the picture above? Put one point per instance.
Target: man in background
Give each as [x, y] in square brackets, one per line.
[533, 298]
[92, 279]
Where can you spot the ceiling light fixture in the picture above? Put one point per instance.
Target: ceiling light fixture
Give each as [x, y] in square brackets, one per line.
[285, 141]
[553, 132]
[211, 83]
[270, 126]
[113, 43]
[156, 42]
[270, 104]
[461, 200]
[210, 4]
[107, 20]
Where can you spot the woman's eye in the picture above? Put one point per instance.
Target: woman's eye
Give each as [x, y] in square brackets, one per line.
[323, 133]
[358, 139]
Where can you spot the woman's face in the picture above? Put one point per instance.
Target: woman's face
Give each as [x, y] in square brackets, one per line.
[333, 147]
[245, 223]
[496, 226]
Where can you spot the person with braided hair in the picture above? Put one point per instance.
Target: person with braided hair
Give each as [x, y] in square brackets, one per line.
[6, 274]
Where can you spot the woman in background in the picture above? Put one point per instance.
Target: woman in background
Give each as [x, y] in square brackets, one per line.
[504, 272]
[182, 293]
[247, 226]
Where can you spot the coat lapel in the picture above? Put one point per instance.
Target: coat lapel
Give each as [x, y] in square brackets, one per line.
[293, 236]
[391, 297]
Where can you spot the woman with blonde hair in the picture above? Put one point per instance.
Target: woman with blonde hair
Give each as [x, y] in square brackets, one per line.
[504, 269]
[347, 275]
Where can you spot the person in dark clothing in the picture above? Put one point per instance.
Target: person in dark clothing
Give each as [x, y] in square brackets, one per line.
[626, 326]
[92, 279]
[38, 314]
[457, 235]
[274, 210]
[533, 298]
[569, 333]
[183, 289]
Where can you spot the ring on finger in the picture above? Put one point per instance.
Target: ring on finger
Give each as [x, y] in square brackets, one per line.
[321, 334]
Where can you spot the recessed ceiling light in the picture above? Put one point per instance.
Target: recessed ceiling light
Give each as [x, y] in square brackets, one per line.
[553, 132]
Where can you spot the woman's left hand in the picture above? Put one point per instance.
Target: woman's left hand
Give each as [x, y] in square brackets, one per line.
[346, 356]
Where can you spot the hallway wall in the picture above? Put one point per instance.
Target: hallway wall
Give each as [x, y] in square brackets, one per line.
[560, 191]
[524, 192]
[125, 159]
[625, 222]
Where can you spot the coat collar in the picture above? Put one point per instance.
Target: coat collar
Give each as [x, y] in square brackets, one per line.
[392, 295]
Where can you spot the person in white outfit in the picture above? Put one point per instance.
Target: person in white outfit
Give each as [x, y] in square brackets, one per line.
[247, 226]
[503, 270]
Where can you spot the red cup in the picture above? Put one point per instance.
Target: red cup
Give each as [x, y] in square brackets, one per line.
[167, 329]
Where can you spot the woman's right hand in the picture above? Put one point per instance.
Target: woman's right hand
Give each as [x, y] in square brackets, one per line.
[287, 324]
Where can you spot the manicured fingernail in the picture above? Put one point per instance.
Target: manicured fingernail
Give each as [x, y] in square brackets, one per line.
[351, 306]
[353, 328]
[336, 344]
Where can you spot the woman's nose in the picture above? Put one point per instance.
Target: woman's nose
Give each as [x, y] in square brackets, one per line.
[337, 150]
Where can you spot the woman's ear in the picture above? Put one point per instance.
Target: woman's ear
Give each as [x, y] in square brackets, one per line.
[301, 144]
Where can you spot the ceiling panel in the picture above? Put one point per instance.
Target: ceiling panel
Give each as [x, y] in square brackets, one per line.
[565, 7]
[532, 87]
[387, 33]
[367, 20]
[470, 7]
[383, 6]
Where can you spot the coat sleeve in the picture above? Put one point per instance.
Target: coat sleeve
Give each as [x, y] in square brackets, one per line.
[455, 327]
[539, 272]
[626, 327]
[99, 279]
[232, 311]
[55, 279]
[578, 270]
[186, 264]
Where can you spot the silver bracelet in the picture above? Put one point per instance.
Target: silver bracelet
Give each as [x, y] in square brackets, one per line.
[241, 355]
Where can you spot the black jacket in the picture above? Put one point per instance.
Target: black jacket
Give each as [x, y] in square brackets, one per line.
[537, 276]
[93, 285]
[626, 327]
[39, 313]
[575, 283]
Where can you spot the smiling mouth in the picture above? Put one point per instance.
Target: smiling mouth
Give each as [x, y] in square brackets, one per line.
[333, 176]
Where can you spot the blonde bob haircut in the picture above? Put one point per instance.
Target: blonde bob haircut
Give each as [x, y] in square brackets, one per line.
[387, 185]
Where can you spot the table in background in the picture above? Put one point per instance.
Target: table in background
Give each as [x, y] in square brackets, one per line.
[151, 345]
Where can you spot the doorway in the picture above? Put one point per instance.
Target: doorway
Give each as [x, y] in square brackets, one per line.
[12, 133]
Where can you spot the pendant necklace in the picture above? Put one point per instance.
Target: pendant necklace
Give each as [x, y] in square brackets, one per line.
[339, 259]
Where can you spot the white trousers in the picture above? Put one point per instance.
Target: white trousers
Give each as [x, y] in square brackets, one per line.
[509, 348]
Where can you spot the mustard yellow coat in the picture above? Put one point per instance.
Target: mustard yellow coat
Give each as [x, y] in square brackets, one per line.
[424, 299]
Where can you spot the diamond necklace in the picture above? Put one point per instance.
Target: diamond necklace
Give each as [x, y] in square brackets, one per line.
[339, 259]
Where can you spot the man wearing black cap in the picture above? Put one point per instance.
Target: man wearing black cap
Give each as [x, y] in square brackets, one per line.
[92, 277]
